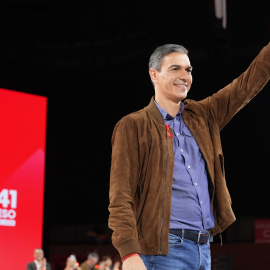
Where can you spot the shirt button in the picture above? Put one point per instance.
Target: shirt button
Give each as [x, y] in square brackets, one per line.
[177, 134]
[188, 166]
[182, 150]
[200, 202]
[195, 184]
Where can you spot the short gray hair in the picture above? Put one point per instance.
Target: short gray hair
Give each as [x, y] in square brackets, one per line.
[93, 255]
[160, 52]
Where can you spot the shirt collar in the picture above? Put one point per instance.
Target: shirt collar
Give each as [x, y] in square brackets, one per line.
[167, 116]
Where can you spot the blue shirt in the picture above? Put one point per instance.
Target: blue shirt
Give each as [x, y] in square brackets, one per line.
[191, 208]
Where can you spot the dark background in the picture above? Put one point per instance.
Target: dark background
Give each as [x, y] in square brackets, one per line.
[90, 59]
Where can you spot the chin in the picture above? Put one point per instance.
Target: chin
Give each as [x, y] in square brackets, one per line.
[181, 98]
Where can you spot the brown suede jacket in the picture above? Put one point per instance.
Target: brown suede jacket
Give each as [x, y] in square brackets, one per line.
[143, 161]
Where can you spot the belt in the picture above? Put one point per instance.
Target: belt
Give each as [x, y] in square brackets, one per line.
[200, 237]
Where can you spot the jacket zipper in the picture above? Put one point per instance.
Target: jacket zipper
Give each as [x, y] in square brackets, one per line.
[160, 250]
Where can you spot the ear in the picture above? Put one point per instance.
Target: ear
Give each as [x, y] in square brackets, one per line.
[153, 74]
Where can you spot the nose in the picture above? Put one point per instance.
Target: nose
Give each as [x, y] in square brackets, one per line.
[184, 75]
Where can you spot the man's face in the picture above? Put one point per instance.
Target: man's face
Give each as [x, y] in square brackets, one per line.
[93, 261]
[174, 80]
[105, 264]
[38, 254]
[108, 263]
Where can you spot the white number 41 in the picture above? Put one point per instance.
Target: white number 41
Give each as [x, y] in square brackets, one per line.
[4, 198]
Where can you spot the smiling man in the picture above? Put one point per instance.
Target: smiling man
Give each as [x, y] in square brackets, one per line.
[40, 262]
[168, 193]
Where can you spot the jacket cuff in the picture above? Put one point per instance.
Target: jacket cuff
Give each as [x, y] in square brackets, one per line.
[127, 247]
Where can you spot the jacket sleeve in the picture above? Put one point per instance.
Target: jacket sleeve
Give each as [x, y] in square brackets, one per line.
[123, 184]
[224, 104]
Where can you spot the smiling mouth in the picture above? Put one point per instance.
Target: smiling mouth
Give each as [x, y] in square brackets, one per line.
[181, 85]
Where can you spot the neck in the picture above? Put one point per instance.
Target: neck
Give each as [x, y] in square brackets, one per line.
[169, 106]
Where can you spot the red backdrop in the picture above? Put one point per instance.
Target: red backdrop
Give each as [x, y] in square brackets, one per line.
[22, 167]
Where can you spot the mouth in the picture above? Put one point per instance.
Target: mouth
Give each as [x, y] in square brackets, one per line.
[181, 86]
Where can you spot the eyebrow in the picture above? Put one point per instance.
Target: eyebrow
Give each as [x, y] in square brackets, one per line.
[178, 66]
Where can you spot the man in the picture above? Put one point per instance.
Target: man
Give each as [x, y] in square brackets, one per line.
[90, 262]
[168, 193]
[72, 263]
[105, 263]
[40, 262]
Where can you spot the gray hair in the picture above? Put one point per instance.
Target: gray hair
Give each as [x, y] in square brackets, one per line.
[159, 53]
[93, 255]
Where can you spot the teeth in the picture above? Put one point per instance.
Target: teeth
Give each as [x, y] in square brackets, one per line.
[185, 85]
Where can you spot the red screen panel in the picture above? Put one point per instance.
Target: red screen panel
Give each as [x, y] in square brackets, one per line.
[22, 171]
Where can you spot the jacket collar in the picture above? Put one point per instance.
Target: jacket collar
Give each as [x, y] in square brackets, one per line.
[154, 112]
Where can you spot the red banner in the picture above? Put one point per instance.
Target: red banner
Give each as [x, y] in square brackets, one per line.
[22, 169]
[262, 230]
